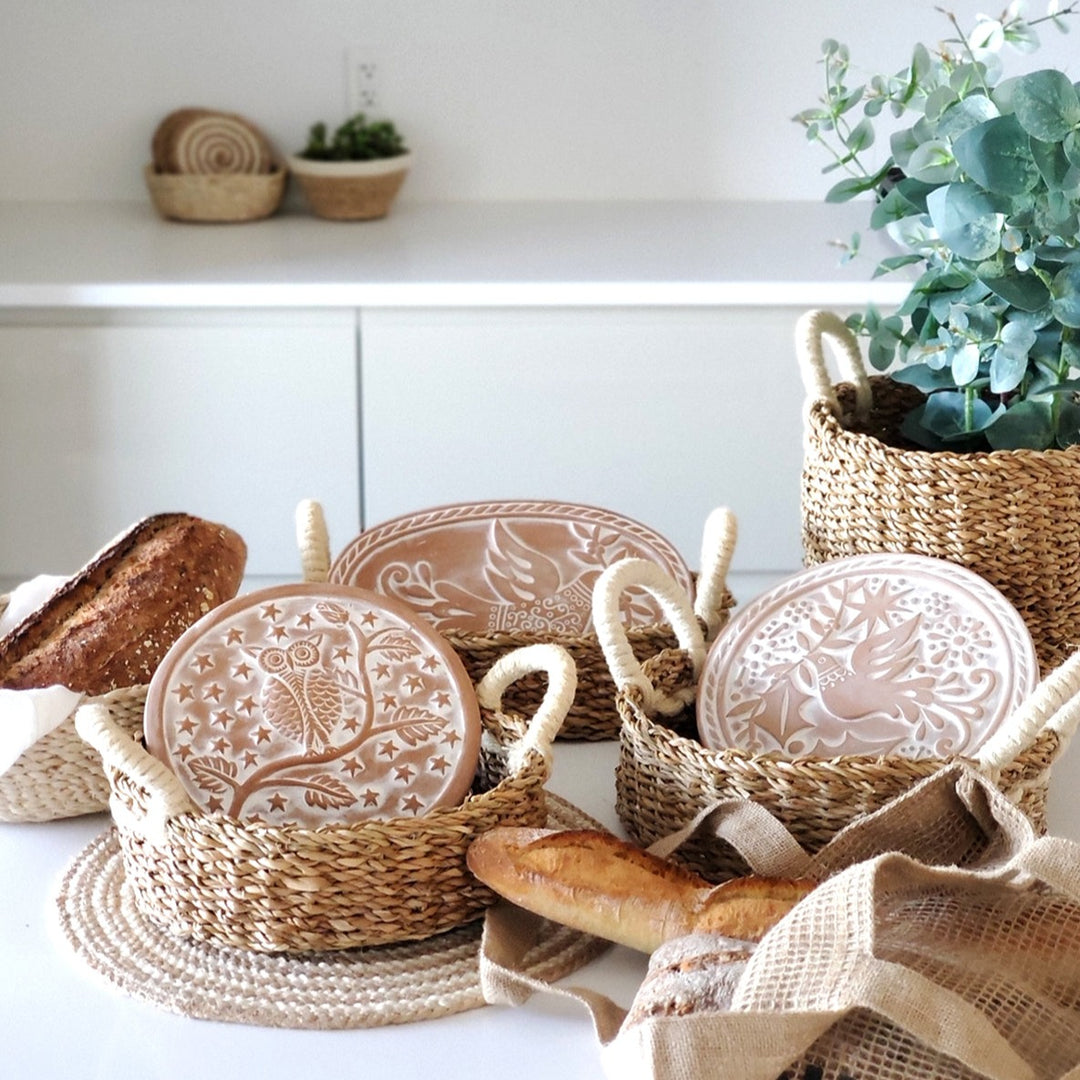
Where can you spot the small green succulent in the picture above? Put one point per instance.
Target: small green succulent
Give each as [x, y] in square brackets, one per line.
[980, 189]
[357, 139]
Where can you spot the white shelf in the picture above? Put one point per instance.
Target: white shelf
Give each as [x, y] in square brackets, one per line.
[121, 255]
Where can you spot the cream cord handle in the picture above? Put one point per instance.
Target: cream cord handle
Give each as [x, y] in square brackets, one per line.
[810, 332]
[717, 548]
[313, 541]
[559, 696]
[120, 751]
[1053, 705]
[621, 661]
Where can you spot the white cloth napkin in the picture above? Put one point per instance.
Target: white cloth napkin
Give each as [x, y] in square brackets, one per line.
[27, 715]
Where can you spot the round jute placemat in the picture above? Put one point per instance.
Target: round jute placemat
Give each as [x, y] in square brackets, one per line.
[391, 984]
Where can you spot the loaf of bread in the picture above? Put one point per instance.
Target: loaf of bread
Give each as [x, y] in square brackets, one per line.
[111, 624]
[595, 882]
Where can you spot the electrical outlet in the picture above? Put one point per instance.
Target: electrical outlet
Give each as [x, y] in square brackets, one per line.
[361, 82]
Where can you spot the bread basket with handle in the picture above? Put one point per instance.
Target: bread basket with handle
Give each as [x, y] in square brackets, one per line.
[665, 777]
[265, 888]
[592, 715]
[58, 775]
[1011, 516]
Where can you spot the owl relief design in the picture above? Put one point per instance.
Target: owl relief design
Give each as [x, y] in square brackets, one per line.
[299, 698]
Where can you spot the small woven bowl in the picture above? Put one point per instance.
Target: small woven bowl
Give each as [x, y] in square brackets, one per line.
[351, 190]
[216, 197]
[284, 888]
[665, 777]
[592, 716]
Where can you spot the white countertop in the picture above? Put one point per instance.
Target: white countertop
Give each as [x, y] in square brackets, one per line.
[121, 254]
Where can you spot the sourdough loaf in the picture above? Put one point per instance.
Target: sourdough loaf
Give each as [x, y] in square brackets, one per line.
[111, 624]
[592, 881]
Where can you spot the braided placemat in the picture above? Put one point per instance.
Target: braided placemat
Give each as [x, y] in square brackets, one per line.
[390, 984]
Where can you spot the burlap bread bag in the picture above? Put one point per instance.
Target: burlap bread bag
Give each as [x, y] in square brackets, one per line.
[943, 941]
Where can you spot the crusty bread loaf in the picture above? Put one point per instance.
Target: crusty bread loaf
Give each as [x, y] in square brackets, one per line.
[592, 881]
[111, 624]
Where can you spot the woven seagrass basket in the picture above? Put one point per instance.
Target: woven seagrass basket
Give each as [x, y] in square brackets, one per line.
[665, 777]
[1011, 516]
[59, 776]
[592, 716]
[351, 190]
[216, 197]
[265, 888]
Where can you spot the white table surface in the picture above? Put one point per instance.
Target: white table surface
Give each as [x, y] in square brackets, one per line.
[62, 1021]
[121, 255]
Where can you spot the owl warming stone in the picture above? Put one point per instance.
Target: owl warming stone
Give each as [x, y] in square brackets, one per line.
[309, 704]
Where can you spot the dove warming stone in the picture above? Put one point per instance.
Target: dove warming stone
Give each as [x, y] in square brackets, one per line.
[874, 654]
[499, 567]
[306, 704]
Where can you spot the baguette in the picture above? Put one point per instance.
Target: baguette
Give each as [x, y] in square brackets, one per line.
[592, 881]
[110, 625]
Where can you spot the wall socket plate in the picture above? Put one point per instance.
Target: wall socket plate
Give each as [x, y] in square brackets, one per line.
[361, 81]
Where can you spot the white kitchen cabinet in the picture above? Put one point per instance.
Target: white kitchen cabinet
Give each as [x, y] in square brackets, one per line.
[230, 415]
[660, 414]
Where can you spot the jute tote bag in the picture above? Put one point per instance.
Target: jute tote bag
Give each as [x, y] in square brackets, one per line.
[943, 941]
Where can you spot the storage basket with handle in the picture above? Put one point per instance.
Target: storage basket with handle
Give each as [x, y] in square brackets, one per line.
[665, 777]
[59, 775]
[592, 715]
[265, 888]
[1011, 516]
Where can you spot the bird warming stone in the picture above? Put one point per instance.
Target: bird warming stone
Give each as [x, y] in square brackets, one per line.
[305, 704]
[501, 567]
[874, 654]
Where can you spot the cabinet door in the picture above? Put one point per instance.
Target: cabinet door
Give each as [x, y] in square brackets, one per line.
[233, 416]
[658, 414]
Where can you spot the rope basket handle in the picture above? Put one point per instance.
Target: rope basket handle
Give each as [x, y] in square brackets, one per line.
[1054, 705]
[549, 717]
[622, 663]
[313, 541]
[717, 547]
[810, 332]
[119, 751]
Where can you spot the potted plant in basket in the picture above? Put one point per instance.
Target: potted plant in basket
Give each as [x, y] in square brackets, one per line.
[355, 173]
[978, 185]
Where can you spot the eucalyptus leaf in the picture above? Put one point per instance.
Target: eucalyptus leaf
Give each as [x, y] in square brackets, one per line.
[1068, 429]
[946, 415]
[1057, 171]
[924, 377]
[1046, 105]
[966, 113]
[966, 220]
[1024, 291]
[996, 155]
[1026, 425]
[1065, 296]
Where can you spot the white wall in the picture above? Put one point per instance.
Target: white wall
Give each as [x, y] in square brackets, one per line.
[501, 99]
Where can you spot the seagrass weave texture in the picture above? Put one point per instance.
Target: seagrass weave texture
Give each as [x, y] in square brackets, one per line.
[60, 776]
[665, 778]
[283, 888]
[1011, 516]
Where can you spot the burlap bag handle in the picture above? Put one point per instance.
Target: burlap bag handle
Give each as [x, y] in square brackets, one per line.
[625, 669]
[811, 330]
[165, 797]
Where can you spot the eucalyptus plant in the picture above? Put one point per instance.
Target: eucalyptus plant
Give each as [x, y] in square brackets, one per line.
[980, 190]
[357, 139]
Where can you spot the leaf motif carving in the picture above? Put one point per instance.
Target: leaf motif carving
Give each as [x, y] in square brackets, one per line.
[414, 725]
[395, 644]
[214, 774]
[327, 792]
